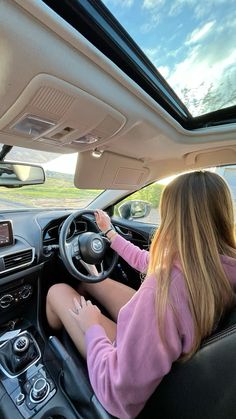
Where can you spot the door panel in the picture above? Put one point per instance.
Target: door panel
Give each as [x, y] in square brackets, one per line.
[140, 235]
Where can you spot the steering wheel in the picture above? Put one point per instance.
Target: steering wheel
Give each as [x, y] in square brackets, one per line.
[86, 248]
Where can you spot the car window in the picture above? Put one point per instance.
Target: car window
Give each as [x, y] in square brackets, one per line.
[143, 205]
[58, 191]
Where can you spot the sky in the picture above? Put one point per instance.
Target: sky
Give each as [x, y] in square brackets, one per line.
[192, 43]
[65, 163]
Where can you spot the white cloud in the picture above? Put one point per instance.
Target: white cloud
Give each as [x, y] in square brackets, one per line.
[200, 33]
[152, 4]
[204, 8]
[164, 70]
[152, 53]
[175, 52]
[178, 5]
[200, 8]
[152, 23]
[205, 79]
[197, 80]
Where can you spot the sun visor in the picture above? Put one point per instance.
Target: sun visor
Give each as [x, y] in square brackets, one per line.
[109, 171]
[213, 157]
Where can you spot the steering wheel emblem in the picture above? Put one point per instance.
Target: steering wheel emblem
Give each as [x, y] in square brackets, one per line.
[97, 245]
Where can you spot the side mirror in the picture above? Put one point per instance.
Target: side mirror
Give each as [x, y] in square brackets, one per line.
[15, 174]
[134, 209]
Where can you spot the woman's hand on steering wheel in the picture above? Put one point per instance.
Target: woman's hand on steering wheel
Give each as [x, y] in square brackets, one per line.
[103, 220]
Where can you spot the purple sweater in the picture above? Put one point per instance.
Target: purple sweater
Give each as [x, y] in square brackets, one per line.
[125, 375]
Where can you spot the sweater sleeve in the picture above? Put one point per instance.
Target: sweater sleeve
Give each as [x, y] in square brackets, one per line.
[136, 257]
[125, 375]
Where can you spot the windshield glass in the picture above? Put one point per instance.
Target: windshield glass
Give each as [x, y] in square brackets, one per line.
[57, 192]
[192, 43]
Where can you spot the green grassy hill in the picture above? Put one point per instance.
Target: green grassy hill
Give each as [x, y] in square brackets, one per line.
[58, 190]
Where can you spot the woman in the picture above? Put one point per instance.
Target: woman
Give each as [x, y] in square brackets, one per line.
[190, 276]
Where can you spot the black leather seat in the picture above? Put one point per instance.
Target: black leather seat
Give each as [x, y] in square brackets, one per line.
[203, 387]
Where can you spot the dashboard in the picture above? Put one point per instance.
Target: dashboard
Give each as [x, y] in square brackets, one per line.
[30, 237]
[30, 259]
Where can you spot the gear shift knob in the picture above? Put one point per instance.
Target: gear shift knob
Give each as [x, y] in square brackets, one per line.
[21, 345]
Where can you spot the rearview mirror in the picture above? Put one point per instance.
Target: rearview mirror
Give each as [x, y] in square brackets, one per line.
[15, 174]
[134, 209]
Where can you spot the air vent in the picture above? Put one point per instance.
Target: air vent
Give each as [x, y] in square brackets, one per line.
[18, 259]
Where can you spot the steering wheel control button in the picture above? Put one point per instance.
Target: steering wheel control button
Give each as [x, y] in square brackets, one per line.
[76, 248]
[39, 390]
[21, 344]
[20, 398]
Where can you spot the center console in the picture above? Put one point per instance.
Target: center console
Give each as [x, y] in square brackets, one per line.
[26, 380]
[27, 388]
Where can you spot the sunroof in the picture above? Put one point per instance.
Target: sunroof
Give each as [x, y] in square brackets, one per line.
[192, 43]
[180, 52]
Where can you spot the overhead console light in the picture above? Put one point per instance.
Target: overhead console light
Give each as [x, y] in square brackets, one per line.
[87, 139]
[97, 154]
[32, 125]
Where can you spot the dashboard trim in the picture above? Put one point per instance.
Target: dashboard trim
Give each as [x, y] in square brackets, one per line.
[16, 253]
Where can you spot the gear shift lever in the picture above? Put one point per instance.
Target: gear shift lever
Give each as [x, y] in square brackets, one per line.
[16, 354]
[21, 345]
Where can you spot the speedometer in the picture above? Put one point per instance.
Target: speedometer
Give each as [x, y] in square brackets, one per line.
[71, 230]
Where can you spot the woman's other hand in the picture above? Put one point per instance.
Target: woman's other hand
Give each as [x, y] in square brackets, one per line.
[103, 220]
[85, 313]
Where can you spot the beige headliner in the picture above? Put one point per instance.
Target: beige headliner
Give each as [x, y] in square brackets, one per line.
[48, 69]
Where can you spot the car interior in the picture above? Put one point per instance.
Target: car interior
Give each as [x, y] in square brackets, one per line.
[73, 81]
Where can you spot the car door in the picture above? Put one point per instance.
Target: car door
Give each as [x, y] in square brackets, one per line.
[136, 218]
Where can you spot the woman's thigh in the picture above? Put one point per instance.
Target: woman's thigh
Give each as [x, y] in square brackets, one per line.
[112, 295]
[60, 300]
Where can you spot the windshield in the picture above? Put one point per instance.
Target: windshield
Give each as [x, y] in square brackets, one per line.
[57, 192]
[190, 42]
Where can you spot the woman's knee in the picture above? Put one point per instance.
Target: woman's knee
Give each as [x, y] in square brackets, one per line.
[57, 292]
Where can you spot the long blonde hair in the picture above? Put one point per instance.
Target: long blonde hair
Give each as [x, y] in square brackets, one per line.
[197, 225]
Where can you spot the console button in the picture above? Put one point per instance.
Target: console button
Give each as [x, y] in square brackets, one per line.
[27, 387]
[51, 384]
[30, 404]
[20, 398]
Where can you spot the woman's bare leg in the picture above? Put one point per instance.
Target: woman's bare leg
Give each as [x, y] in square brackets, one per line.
[112, 295]
[59, 300]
